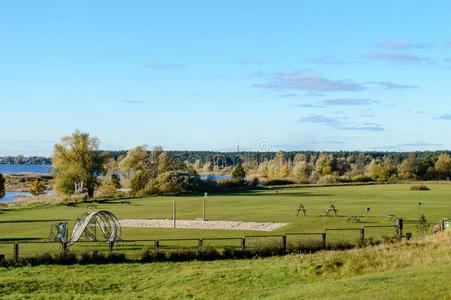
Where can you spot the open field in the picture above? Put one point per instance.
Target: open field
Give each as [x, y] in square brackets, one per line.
[415, 270]
[250, 206]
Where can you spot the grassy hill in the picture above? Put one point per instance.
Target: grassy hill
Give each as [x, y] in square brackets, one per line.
[409, 270]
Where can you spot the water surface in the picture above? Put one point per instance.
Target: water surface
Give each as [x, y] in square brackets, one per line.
[15, 169]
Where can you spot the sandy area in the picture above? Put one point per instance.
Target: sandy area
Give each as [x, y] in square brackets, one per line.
[199, 224]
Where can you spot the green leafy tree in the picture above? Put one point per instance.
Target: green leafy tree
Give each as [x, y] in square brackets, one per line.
[2, 186]
[77, 160]
[38, 187]
[239, 174]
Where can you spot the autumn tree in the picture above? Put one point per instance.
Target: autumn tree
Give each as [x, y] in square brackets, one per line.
[408, 167]
[77, 160]
[378, 171]
[443, 166]
[137, 164]
[302, 170]
[324, 164]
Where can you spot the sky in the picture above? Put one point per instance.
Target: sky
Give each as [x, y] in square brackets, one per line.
[208, 75]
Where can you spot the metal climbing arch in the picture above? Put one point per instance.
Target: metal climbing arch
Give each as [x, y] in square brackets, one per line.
[107, 222]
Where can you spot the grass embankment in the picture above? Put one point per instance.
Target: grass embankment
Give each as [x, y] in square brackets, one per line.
[414, 270]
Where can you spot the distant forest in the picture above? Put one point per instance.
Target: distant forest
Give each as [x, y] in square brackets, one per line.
[290, 167]
[227, 159]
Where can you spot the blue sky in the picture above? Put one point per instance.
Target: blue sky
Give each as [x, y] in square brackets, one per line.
[201, 75]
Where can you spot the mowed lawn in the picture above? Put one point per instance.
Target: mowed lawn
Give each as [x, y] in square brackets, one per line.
[258, 206]
[415, 270]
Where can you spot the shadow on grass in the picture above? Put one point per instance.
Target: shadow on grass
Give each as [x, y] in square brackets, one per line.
[31, 221]
[258, 193]
[18, 239]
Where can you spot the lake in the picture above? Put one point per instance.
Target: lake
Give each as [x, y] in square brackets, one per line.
[12, 196]
[214, 176]
[14, 169]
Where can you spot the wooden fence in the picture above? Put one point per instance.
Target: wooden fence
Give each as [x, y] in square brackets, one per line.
[200, 244]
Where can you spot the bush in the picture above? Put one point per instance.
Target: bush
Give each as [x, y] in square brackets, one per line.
[419, 188]
[94, 257]
[361, 178]
[174, 182]
[181, 255]
[254, 182]
[38, 187]
[327, 179]
[344, 179]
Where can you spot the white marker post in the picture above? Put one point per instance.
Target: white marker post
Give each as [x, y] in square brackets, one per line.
[204, 205]
[174, 213]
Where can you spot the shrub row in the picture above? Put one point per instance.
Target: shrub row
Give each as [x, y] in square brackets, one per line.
[178, 255]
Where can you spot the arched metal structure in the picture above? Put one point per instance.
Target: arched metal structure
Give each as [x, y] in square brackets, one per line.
[107, 222]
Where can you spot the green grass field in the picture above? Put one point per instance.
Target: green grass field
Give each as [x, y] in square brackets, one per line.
[418, 270]
[415, 270]
[260, 206]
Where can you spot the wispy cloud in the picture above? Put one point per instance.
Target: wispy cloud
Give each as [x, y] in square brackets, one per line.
[252, 61]
[289, 95]
[420, 145]
[329, 60]
[340, 102]
[349, 102]
[340, 123]
[305, 105]
[446, 117]
[393, 86]
[129, 101]
[308, 82]
[159, 66]
[403, 45]
[395, 57]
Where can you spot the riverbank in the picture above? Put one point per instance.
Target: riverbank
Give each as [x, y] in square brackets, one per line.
[22, 182]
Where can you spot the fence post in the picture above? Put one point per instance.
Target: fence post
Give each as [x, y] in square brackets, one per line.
[16, 251]
[157, 246]
[174, 213]
[204, 207]
[399, 226]
[362, 234]
[64, 247]
[284, 244]
[110, 247]
[243, 244]
[324, 239]
[200, 244]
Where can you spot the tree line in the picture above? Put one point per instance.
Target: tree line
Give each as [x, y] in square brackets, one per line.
[79, 166]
